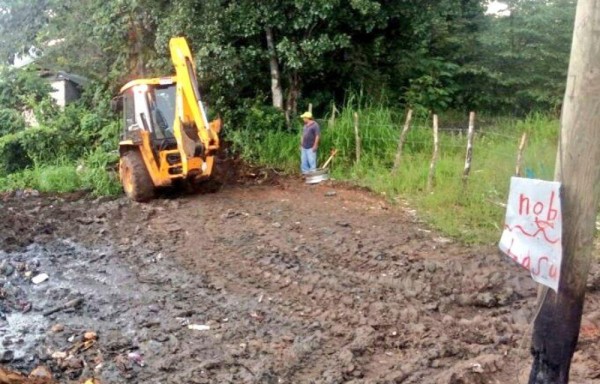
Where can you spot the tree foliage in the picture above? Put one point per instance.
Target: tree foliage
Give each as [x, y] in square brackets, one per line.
[430, 54]
[524, 60]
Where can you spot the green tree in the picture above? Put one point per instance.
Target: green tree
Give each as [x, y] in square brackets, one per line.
[21, 22]
[525, 56]
[21, 88]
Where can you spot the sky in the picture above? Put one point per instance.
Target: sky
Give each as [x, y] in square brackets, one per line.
[498, 8]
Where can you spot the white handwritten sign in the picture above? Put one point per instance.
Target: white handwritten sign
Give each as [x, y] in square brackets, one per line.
[533, 228]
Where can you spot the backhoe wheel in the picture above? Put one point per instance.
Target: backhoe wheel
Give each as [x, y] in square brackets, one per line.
[135, 178]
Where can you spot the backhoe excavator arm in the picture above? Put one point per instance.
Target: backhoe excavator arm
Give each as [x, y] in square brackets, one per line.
[194, 135]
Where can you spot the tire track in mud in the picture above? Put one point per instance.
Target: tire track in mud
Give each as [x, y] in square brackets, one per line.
[296, 288]
[278, 261]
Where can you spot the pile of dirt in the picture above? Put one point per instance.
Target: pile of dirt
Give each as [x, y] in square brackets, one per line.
[284, 283]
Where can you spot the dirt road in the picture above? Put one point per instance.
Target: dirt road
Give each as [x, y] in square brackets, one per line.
[284, 283]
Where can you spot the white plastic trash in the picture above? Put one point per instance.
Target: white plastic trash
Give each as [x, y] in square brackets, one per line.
[199, 327]
[39, 278]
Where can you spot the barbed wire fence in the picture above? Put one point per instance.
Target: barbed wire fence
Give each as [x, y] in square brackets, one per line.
[386, 140]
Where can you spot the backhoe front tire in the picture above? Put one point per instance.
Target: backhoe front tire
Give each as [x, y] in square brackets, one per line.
[135, 178]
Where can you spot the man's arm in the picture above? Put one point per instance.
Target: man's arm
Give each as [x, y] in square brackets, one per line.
[316, 145]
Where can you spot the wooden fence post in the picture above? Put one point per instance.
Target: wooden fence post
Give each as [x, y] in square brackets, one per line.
[557, 324]
[357, 137]
[310, 107]
[401, 142]
[332, 117]
[520, 154]
[469, 155]
[434, 158]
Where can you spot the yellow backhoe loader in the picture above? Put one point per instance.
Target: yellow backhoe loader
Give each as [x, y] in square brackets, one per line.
[166, 137]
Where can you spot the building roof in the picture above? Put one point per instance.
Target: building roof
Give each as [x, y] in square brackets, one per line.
[78, 80]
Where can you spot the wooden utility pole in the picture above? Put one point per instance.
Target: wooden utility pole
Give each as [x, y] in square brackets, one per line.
[556, 327]
[469, 155]
[434, 158]
[401, 142]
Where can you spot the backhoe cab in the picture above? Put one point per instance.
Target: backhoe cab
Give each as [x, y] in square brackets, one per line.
[166, 136]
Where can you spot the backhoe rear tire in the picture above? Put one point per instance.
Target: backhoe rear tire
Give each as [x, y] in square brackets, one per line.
[135, 178]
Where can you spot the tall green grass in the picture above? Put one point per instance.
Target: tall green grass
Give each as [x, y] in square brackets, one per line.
[92, 174]
[473, 212]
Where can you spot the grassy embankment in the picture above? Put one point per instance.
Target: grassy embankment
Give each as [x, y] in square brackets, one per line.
[473, 214]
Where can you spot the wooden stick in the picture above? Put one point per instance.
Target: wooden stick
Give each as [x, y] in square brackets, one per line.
[329, 159]
[310, 107]
[520, 154]
[434, 158]
[69, 304]
[401, 141]
[469, 155]
[357, 137]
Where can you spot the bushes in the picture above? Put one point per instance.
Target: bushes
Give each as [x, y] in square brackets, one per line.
[13, 155]
[38, 145]
[10, 121]
[63, 178]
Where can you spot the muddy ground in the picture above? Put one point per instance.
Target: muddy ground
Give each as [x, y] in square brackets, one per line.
[278, 283]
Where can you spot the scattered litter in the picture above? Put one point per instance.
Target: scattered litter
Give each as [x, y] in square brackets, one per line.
[57, 328]
[183, 320]
[59, 355]
[41, 372]
[90, 335]
[136, 358]
[330, 193]
[256, 315]
[442, 240]
[199, 327]
[477, 368]
[39, 278]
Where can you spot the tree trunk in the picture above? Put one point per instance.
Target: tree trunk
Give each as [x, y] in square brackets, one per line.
[276, 91]
[136, 44]
[556, 328]
[293, 91]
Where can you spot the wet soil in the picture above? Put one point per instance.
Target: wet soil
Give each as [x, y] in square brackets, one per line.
[277, 283]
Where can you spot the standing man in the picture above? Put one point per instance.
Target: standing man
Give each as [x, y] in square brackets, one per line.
[311, 133]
